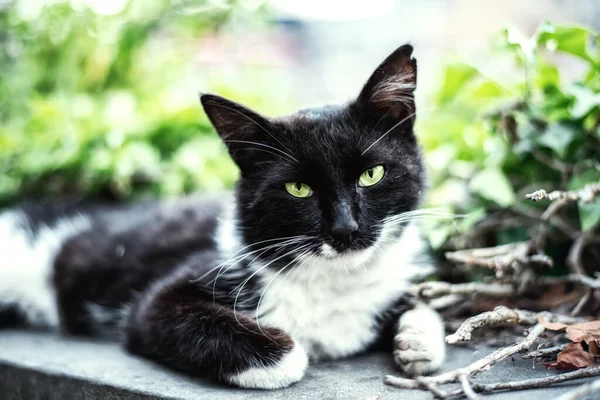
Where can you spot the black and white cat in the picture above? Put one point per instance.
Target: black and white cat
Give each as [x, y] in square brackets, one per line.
[310, 257]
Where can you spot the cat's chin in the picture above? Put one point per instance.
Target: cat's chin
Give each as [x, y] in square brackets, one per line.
[346, 258]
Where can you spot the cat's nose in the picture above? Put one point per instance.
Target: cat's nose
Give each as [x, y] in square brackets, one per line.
[343, 225]
[345, 230]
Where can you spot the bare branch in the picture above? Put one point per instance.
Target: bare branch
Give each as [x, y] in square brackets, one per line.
[445, 301]
[579, 279]
[498, 316]
[585, 280]
[467, 389]
[559, 199]
[499, 258]
[428, 290]
[547, 352]
[501, 315]
[433, 388]
[472, 369]
[587, 194]
[541, 382]
[576, 251]
[584, 390]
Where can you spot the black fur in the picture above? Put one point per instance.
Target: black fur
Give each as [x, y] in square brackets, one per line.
[155, 261]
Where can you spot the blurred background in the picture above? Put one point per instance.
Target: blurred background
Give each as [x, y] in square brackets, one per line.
[99, 98]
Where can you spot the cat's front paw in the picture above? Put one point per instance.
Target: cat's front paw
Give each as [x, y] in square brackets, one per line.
[419, 346]
[288, 370]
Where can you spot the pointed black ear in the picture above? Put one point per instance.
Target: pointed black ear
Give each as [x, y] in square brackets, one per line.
[244, 131]
[232, 120]
[389, 92]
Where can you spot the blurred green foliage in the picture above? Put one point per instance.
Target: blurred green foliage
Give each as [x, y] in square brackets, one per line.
[103, 101]
[491, 140]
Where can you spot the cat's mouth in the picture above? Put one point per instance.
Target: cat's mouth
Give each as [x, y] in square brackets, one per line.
[348, 256]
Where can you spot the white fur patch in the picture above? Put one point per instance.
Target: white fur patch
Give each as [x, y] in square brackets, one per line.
[26, 265]
[226, 236]
[288, 370]
[329, 304]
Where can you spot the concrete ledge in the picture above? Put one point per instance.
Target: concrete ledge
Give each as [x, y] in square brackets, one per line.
[46, 366]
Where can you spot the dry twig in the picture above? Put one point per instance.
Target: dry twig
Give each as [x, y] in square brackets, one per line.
[499, 258]
[583, 390]
[498, 316]
[446, 301]
[467, 389]
[472, 369]
[576, 251]
[547, 352]
[587, 194]
[501, 315]
[429, 290]
[560, 199]
[538, 382]
[515, 258]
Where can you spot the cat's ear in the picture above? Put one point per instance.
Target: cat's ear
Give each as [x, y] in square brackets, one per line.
[239, 127]
[389, 92]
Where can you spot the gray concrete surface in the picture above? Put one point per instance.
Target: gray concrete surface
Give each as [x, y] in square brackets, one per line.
[37, 365]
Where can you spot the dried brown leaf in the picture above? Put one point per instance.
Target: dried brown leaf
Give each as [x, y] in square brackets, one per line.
[585, 332]
[595, 348]
[573, 356]
[553, 326]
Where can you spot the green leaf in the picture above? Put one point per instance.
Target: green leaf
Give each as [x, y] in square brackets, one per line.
[455, 77]
[438, 236]
[517, 39]
[585, 101]
[493, 185]
[589, 214]
[547, 76]
[568, 39]
[557, 137]
[472, 218]
[583, 178]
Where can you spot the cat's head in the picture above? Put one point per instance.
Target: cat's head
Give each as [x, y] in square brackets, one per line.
[327, 181]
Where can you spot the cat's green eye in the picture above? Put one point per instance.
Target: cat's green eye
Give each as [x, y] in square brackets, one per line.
[371, 176]
[298, 189]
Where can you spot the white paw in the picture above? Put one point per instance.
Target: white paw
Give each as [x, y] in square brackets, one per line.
[288, 370]
[419, 346]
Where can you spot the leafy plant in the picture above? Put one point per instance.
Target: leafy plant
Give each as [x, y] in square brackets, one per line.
[490, 141]
[100, 99]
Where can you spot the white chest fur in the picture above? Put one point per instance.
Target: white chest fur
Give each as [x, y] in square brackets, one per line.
[329, 307]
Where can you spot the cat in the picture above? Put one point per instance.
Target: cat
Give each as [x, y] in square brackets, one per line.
[311, 256]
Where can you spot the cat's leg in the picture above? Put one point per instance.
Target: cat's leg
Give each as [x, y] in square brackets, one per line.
[419, 346]
[176, 324]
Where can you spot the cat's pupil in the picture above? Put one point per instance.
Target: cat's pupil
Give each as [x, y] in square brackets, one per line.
[298, 186]
[370, 172]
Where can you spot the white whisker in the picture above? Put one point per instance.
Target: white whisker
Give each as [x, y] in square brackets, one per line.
[261, 145]
[241, 286]
[392, 128]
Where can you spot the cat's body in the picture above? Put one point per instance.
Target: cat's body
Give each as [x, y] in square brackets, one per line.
[243, 288]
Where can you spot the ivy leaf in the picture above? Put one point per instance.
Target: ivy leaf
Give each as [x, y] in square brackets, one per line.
[557, 137]
[516, 38]
[589, 214]
[438, 236]
[585, 101]
[493, 185]
[455, 77]
[583, 178]
[568, 39]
